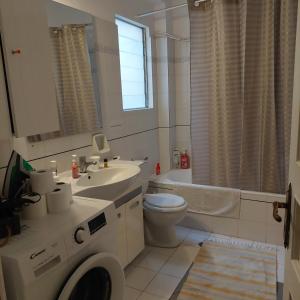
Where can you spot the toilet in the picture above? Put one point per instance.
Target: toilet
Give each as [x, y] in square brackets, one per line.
[161, 213]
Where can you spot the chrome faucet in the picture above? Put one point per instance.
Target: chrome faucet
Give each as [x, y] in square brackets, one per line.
[83, 164]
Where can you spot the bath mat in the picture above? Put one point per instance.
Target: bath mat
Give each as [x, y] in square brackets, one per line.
[225, 271]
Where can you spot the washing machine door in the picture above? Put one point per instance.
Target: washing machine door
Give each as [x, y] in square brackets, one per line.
[100, 277]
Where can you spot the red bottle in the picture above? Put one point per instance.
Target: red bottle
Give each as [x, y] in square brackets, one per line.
[157, 169]
[75, 169]
[184, 160]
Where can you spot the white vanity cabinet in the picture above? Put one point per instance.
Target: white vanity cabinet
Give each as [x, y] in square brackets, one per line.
[134, 227]
[26, 44]
[122, 238]
[130, 230]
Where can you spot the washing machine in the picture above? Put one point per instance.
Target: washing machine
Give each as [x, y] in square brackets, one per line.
[68, 256]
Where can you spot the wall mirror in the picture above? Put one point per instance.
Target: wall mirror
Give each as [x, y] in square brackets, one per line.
[73, 47]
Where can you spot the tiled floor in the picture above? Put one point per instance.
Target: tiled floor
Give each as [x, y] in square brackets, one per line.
[156, 272]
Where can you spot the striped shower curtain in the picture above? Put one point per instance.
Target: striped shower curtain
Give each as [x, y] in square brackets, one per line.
[242, 56]
[78, 111]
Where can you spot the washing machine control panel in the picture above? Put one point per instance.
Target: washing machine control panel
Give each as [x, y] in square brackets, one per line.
[84, 232]
[97, 223]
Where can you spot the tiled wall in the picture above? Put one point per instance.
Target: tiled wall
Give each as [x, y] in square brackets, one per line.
[180, 28]
[132, 135]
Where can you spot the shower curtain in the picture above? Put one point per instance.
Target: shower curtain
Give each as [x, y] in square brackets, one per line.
[242, 55]
[72, 73]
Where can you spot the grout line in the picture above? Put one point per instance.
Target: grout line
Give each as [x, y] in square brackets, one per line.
[135, 133]
[159, 271]
[109, 140]
[54, 154]
[58, 153]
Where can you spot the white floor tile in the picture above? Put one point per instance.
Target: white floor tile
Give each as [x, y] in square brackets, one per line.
[131, 294]
[164, 251]
[138, 278]
[180, 261]
[146, 296]
[141, 256]
[153, 261]
[254, 231]
[182, 232]
[163, 285]
[195, 237]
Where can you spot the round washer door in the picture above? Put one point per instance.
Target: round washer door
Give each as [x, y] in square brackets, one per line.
[100, 277]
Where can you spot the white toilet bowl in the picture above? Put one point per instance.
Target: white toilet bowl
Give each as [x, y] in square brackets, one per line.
[162, 212]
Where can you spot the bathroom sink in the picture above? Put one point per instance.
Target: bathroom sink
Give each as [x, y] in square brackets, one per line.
[107, 182]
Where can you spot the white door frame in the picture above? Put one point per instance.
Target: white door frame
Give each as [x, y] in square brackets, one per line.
[292, 260]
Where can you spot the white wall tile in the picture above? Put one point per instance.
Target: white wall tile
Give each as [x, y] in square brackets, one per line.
[183, 138]
[198, 221]
[138, 147]
[164, 149]
[253, 211]
[111, 108]
[254, 231]
[275, 233]
[225, 226]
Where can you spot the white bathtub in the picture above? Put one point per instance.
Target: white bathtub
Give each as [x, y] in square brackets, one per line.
[209, 200]
[238, 213]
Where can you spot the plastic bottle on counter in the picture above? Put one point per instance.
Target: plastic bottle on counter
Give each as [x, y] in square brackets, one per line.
[75, 168]
[176, 159]
[184, 160]
[157, 169]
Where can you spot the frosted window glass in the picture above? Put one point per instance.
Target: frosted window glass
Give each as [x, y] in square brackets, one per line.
[133, 65]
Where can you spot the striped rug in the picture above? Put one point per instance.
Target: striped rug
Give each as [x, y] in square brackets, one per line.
[231, 272]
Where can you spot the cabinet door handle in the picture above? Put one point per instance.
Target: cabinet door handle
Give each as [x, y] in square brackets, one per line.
[119, 215]
[134, 204]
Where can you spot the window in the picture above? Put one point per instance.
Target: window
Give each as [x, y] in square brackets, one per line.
[133, 63]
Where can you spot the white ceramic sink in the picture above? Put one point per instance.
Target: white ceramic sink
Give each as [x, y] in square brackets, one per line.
[107, 182]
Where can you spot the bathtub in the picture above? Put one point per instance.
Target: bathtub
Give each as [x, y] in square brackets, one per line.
[208, 200]
[231, 212]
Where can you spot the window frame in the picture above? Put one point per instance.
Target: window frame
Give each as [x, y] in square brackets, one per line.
[145, 34]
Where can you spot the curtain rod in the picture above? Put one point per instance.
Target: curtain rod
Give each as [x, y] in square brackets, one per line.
[73, 25]
[170, 36]
[153, 12]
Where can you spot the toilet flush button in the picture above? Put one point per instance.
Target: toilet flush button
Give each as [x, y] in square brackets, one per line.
[80, 235]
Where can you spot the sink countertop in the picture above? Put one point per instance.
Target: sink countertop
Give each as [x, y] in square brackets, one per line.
[67, 178]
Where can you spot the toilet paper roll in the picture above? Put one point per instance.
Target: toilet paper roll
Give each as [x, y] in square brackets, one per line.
[35, 210]
[67, 187]
[59, 200]
[42, 181]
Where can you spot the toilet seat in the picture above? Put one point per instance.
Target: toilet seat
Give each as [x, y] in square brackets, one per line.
[164, 202]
